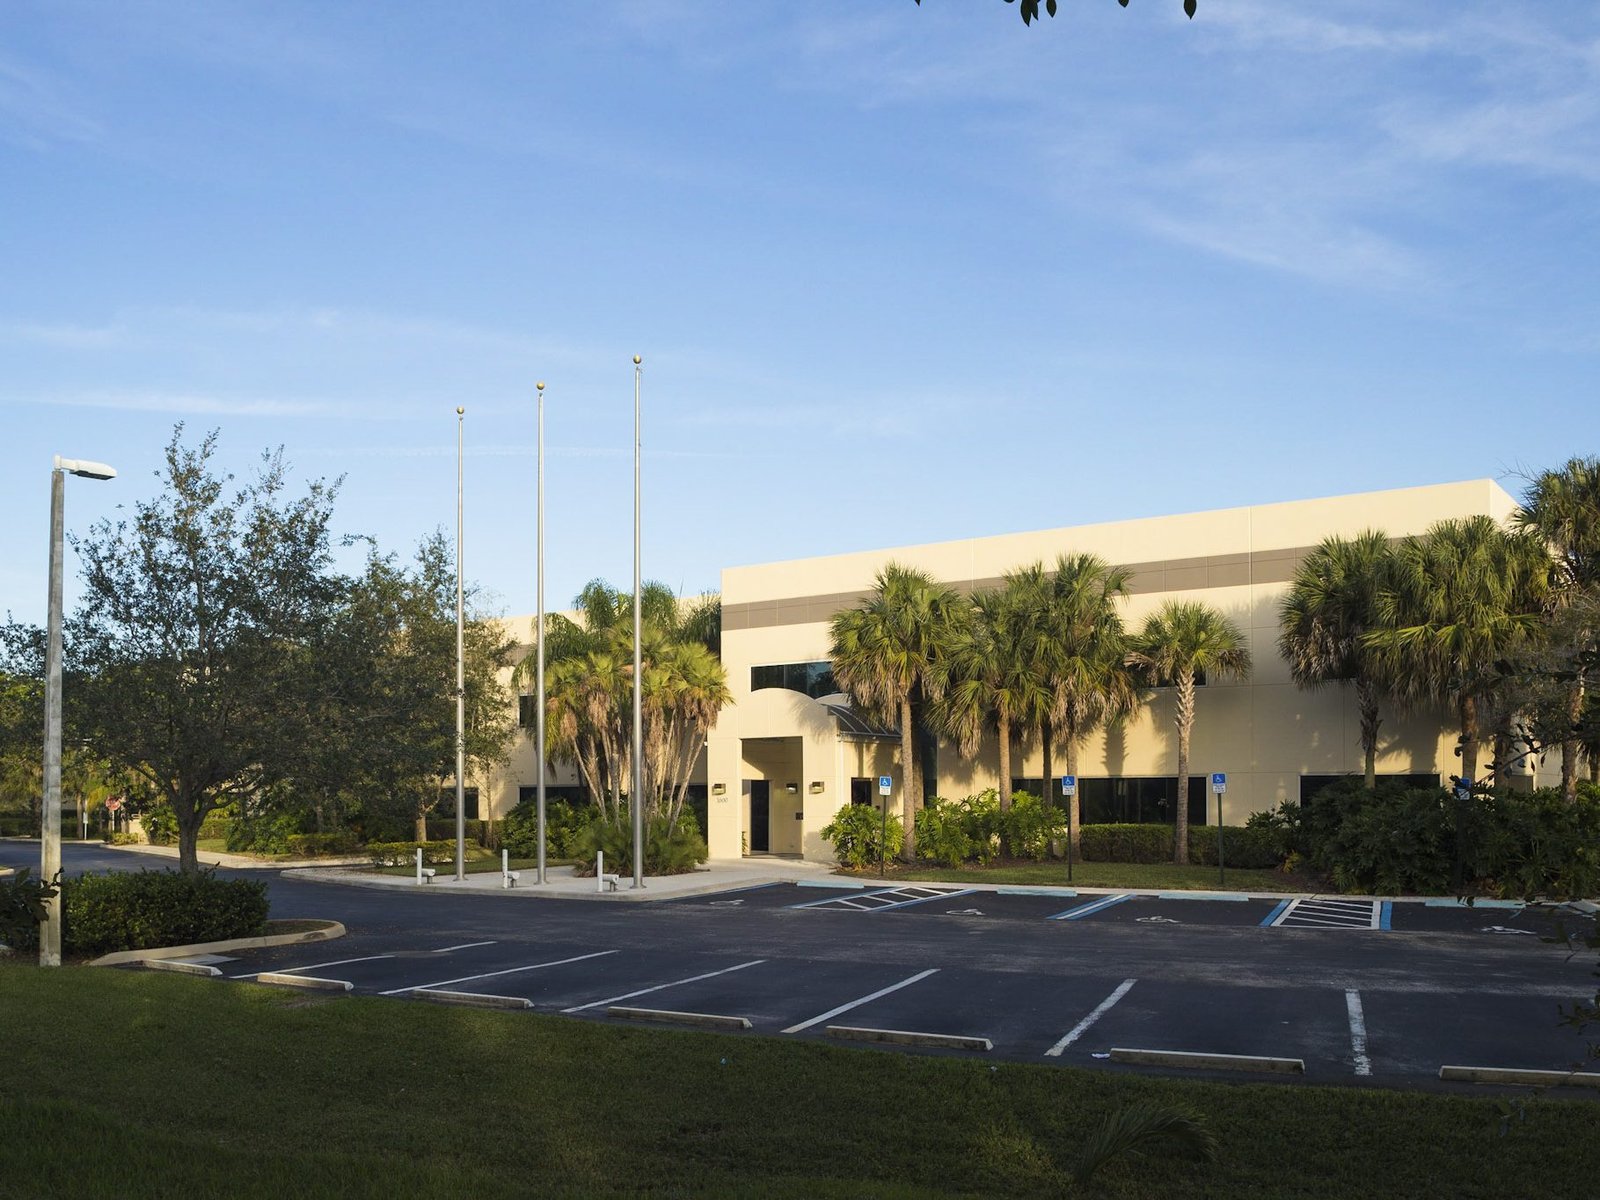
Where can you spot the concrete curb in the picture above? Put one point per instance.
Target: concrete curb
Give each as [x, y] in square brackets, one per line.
[470, 999]
[906, 1037]
[1531, 1078]
[668, 1017]
[310, 982]
[1209, 1062]
[329, 931]
[182, 968]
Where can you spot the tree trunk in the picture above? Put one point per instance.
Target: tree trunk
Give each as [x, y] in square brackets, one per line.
[1074, 813]
[1570, 745]
[1003, 725]
[1046, 746]
[1469, 775]
[908, 811]
[422, 825]
[188, 838]
[1185, 723]
[1367, 699]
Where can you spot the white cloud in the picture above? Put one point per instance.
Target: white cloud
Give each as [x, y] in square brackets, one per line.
[198, 405]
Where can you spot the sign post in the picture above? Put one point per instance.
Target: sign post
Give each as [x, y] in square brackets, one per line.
[1219, 784]
[1069, 792]
[885, 786]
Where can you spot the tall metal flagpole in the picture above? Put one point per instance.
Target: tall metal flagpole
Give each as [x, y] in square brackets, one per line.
[538, 633]
[638, 676]
[461, 668]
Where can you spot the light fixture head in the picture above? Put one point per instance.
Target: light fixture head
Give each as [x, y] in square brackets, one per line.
[82, 466]
[540, 385]
[637, 360]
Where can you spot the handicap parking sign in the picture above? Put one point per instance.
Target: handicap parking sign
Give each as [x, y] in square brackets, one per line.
[1219, 781]
[885, 785]
[1069, 785]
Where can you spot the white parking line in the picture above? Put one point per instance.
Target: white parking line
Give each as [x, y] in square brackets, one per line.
[1358, 1033]
[417, 987]
[338, 962]
[463, 946]
[1082, 1026]
[662, 986]
[843, 1008]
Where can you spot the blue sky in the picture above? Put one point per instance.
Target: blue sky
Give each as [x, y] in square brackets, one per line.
[898, 274]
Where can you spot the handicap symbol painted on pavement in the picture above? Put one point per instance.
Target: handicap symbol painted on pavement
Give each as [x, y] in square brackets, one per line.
[1158, 920]
[963, 912]
[714, 903]
[1506, 929]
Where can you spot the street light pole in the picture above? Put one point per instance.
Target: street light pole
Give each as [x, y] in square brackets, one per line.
[638, 675]
[50, 826]
[461, 667]
[538, 633]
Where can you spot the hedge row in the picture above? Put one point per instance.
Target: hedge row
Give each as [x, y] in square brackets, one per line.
[404, 854]
[140, 910]
[1246, 847]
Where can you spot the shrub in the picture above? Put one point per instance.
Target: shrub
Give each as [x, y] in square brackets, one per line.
[146, 909]
[565, 826]
[404, 854]
[941, 834]
[160, 823]
[1247, 847]
[266, 833]
[670, 848]
[1127, 843]
[858, 830]
[22, 900]
[313, 845]
[1029, 826]
[123, 837]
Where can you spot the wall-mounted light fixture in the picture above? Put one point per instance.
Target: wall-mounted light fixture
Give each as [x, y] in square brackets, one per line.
[817, 787]
[791, 788]
[719, 789]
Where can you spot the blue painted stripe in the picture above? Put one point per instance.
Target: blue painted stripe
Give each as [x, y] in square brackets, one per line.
[835, 899]
[1277, 912]
[1384, 914]
[1201, 896]
[924, 899]
[749, 887]
[1086, 910]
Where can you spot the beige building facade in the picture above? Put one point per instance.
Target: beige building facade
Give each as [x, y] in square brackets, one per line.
[785, 756]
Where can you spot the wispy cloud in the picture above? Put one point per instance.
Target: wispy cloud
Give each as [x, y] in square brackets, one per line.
[66, 336]
[184, 404]
[37, 109]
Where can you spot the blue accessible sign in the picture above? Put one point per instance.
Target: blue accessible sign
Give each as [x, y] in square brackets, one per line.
[1069, 785]
[885, 785]
[1219, 782]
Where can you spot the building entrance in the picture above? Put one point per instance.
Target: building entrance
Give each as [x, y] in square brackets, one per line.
[760, 816]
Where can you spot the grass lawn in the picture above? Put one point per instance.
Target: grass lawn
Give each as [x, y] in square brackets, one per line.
[135, 1084]
[1132, 876]
[480, 866]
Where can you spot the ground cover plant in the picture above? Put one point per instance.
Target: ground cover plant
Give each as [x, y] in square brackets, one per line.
[138, 910]
[146, 1085]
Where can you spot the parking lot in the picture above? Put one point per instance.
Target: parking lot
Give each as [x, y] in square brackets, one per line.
[1352, 992]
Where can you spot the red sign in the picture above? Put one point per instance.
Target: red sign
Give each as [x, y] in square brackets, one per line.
[114, 803]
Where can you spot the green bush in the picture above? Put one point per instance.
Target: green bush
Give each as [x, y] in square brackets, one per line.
[314, 845]
[404, 854]
[1526, 844]
[565, 825]
[670, 848]
[124, 838]
[160, 823]
[1029, 826]
[146, 909]
[265, 833]
[1126, 843]
[22, 900]
[1248, 847]
[941, 834]
[856, 832]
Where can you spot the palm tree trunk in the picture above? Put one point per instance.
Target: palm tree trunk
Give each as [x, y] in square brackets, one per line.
[1367, 699]
[1185, 722]
[1003, 723]
[1045, 748]
[908, 811]
[1074, 813]
[1469, 774]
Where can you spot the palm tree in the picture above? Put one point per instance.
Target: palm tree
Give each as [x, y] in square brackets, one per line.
[1331, 605]
[1458, 602]
[1084, 652]
[1180, 640]
[1563, 508]
[886, 653]
[991, 677]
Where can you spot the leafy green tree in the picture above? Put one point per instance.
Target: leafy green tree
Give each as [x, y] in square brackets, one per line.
[1084, 653]
[886, 654]
[177, 653]
[1329, 608]
[1562, 507]
[1180, 640]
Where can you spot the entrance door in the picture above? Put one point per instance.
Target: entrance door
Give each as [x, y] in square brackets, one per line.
[861, 791]
[760, 816]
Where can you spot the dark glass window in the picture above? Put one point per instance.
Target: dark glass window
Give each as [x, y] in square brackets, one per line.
[1139, 800]
[1310, 785]
[447, 803]
[529, 794]
[525, 711]
[810, 678]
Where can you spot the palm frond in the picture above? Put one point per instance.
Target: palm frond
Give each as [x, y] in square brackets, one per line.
[1140, 1128]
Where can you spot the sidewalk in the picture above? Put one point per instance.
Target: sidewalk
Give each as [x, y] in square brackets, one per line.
[718, 875]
